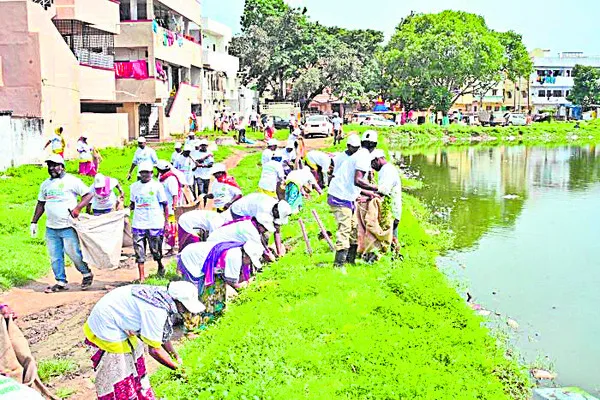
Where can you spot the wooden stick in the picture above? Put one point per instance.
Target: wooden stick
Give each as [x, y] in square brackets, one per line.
[306, 241]
[323, 231]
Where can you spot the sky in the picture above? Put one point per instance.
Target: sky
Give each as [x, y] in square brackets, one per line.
[556, 25]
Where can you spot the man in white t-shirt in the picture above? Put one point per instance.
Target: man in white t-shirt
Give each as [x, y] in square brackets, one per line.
[272, 176]
[289, 156]
[293, 122]
[103, 198]
[150, 218]
[267, 154]
[352, 146]
[253, 118]
[196, 225]
[58, 199]
[389, 184]
[142, 154]
[204, 162]
[321, 164]
[186, 165]
[337, 128]
[175, 155]
[223, 191]
[347, 185]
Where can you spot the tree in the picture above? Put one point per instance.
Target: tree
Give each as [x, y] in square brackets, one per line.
[586, 88]
[256, 11]
[436, 58]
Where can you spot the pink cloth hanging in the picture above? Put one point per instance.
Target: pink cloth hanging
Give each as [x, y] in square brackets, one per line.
[140, 69]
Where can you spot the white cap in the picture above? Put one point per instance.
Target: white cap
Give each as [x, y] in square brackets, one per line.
[56, 158]
[291, 143]
[163, 165]
[203, 142]
[146, 166]
[187, 294]
[178, 145]
[377, 153]
[84, 135]
[99, 181]
[255, 251]
[279, 153]
[370, 136]
[188, 147]
[191, 134]
[354, 140]
[284, 213]
[266, 220]
[273, 142]
[196, 142]
[218, 167]
[141, 139]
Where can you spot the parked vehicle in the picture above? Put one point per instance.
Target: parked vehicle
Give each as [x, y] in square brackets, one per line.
[318, 125]
[496, 118]
[278, 122]
[377, 120]
[516, 119]
[359, 118]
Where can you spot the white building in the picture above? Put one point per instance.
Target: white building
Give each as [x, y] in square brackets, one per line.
[552, 81]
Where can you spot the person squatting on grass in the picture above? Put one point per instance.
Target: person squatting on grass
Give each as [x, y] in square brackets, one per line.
[119, 325]
[58, 198]
[347, 185]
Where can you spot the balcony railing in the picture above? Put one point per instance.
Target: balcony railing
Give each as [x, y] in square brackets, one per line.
[44, 3]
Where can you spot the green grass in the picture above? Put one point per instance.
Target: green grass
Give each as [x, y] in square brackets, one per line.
[64, 393]
[25, 258]
[55, 367]
[389, 330]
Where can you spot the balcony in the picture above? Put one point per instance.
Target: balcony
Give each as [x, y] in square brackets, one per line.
[558, 81]
[493, 99]
[221, 62]
[190, 9]
[148, 90]
[164, 44]
[96, 83]
[102, 14]
[215, 28]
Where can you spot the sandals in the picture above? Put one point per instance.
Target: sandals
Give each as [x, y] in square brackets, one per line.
[56, 288]
[87, 282]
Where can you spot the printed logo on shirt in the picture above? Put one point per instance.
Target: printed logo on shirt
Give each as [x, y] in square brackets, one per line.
[142, 201]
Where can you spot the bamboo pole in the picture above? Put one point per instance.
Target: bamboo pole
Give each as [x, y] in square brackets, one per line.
[323, 231]
[306, 241]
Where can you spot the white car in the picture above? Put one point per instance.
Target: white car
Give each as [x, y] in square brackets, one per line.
[378, 120]
[516, 119]
[318, 125]
[359, 118]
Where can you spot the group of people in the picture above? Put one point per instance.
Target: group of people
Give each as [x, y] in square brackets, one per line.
[89, 157]
[220, 245]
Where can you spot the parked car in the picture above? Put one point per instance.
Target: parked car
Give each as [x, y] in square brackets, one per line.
[377, 120]
[516, 119]
[278, 122]
[318, 125]
[496, 118]
[359, 118]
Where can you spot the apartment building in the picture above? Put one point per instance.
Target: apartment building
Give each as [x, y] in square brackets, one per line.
[552, 80]
[57, 66]
[492, 100]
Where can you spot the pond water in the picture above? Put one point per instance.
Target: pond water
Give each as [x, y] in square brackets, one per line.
[527, 228]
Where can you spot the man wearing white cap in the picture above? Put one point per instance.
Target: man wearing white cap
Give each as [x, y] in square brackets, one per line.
[58, 198]
[224, 190]
[175, 155]
[204, 161]
[142, 154]
[320, 163]
[186, 165]
[168, 177]
[389, 184]
[289, 156]
[337, 128]
[347, 185]
[123, 321]
[190, 139]
[103, 198]
[268, 153]
[272, 175]
[150, 218]
[245, 230]
[352, 146]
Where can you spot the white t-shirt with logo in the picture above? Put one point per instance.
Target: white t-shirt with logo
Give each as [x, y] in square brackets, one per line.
[253, 204]
[171, 186]
[272, 172]
[194, 220]
[148, 212]
[186, 166]
[203, 172]
[267, 155]
[223, 193]
[145, 154]
[60, 195]
[319, 158]
[104, 202]
[342, 185]
[338, 160]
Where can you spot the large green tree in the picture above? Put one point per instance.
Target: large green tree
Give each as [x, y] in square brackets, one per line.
[586, 88]
[436, 58]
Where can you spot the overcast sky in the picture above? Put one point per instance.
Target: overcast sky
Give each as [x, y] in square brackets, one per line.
[558, 25]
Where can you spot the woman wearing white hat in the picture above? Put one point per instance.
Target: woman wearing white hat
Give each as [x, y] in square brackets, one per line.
[103, 198]
[213, 265]
[119, 325]
[224, 190]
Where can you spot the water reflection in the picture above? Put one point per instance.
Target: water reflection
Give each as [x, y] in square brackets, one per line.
[485, 187]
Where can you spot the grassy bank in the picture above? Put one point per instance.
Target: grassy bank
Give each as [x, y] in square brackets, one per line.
[389, 330]
[25, 258]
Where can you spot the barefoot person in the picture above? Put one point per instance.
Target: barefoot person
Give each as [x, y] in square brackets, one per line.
[149, 205]
[122, 322]
[58, 198]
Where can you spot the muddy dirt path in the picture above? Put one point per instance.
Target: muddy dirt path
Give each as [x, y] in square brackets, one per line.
[52, 322]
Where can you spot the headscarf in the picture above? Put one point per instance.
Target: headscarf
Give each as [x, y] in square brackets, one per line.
[105, 190]
[228, 180]
[158, 297]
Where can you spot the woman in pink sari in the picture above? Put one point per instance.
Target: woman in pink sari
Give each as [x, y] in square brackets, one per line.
[86, 164]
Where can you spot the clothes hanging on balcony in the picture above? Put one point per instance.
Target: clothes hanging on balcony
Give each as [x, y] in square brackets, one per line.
[137, 69]
[179, 40]
[154, 26]
[123, 70]
[140, 69]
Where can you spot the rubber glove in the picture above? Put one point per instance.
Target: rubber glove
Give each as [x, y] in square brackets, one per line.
[33, 230]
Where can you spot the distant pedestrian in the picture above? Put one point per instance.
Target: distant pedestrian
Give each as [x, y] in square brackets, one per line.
[253, 121]
[142, 154]
[293, 122]
[337, 128]
[86, 164]
[176, 153]
[58, 198]
[57, 142]
[241, 129]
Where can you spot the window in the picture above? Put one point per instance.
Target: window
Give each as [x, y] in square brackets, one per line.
[567, 93]
[488, 108]
[524, 94]
[494, 92]
[557, 93]
[214, 47]
[568, 73]
[542, 93]
[509, 95]
[141, 10]
[497, 108]
[475, 108]
[549, 93]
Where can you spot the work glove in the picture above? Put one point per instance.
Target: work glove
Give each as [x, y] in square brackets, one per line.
[33, 230]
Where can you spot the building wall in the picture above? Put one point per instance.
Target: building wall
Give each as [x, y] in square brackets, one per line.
[22, 141]
[97, 84]
[178, 120]
[103, 15]
[105, 130]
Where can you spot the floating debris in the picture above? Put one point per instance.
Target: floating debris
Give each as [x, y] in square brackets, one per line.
[512, 323]
[542, 374]
[511, 196]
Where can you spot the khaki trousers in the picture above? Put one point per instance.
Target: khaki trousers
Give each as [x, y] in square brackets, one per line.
[347, 227]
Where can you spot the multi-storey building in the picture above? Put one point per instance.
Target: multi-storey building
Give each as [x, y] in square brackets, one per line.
[552, 79]
[57, 65]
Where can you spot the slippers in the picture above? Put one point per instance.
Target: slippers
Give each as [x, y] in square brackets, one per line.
[56, 288]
